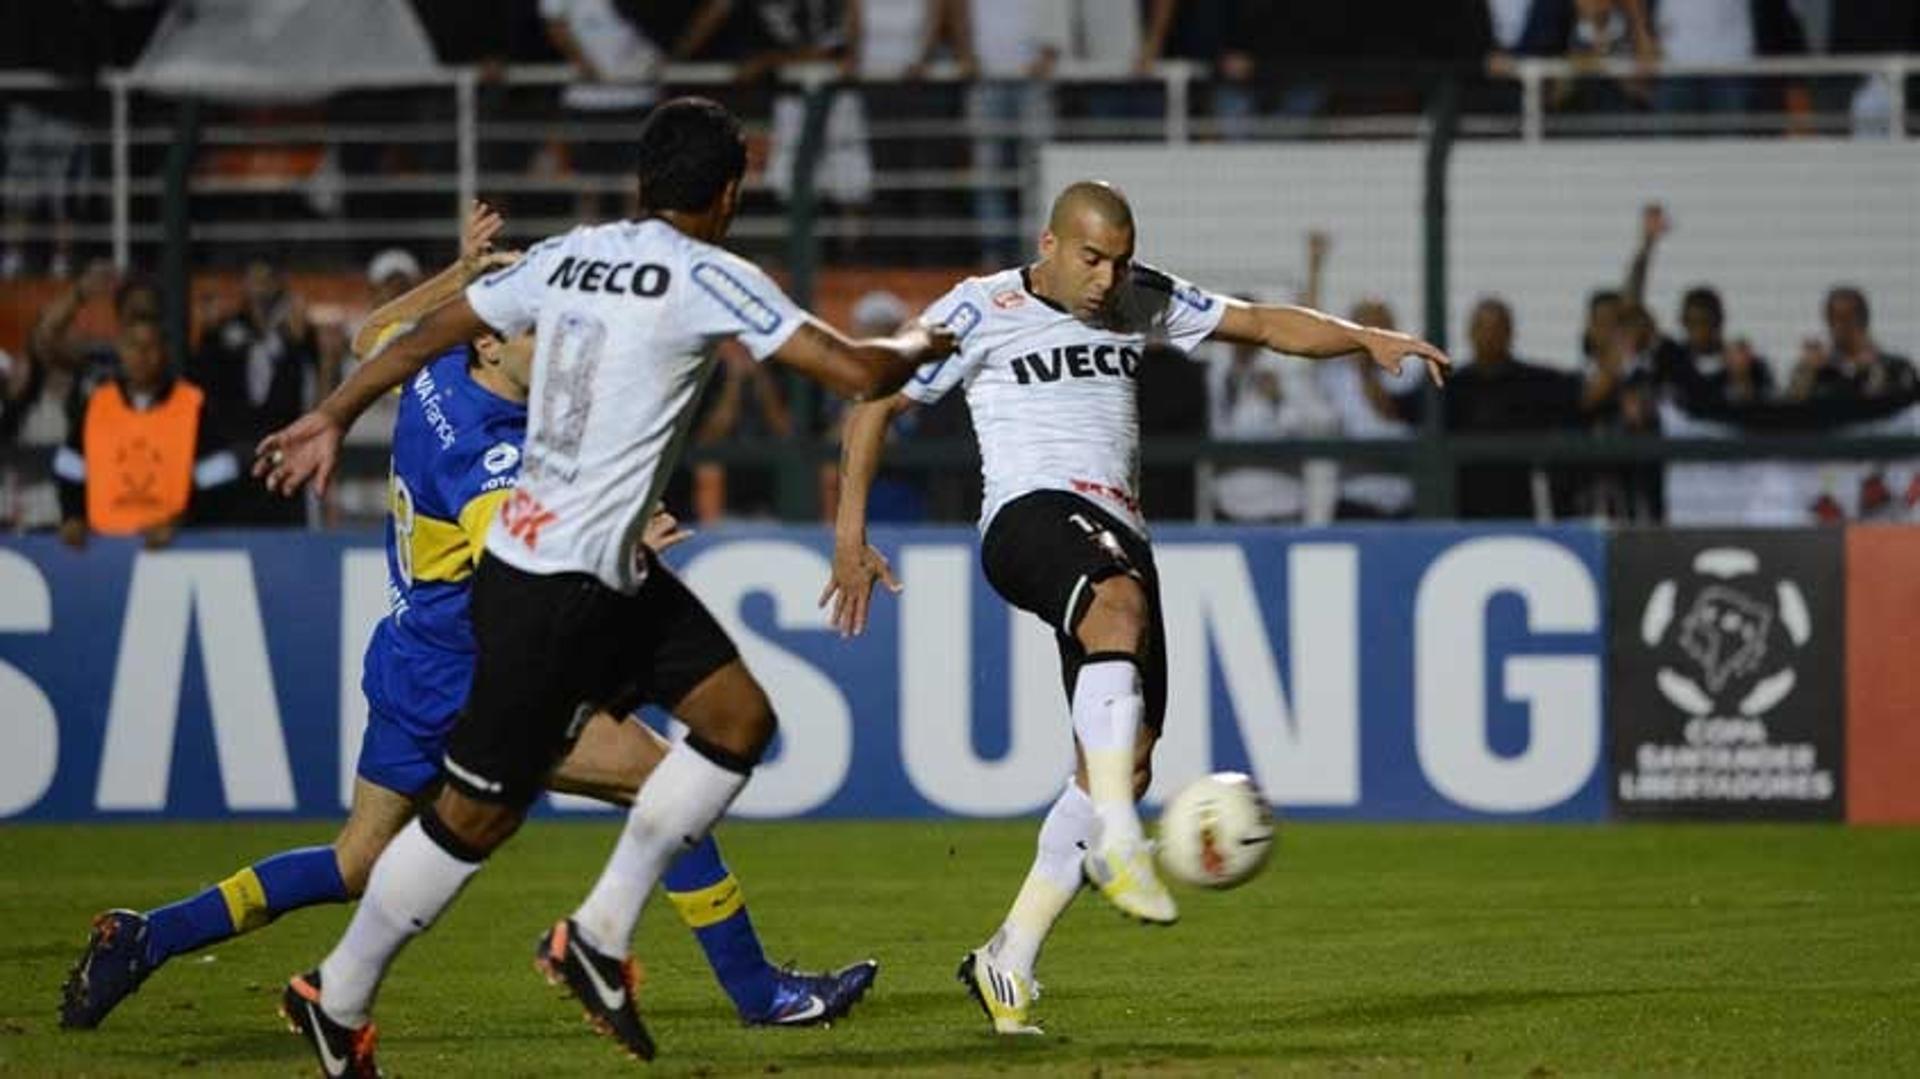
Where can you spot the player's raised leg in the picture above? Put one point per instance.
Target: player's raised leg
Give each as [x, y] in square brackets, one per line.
[610, 761]
[125, 947]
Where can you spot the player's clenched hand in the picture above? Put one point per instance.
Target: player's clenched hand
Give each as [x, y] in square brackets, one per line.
[851, 587]
[664, 531]
[305, 451]
[930, 342]
[1389, 349]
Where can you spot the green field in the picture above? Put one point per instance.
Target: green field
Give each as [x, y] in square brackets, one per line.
[1406, 949]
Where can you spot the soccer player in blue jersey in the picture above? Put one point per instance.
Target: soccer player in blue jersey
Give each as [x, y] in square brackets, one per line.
[456, 456]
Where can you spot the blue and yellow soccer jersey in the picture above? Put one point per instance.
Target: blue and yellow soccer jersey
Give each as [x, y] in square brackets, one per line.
[456, 456]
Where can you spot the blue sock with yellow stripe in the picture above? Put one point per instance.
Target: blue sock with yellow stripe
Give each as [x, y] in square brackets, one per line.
[709, 901]
[245, 901]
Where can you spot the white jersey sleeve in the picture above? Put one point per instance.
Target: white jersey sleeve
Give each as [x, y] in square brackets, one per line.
[509, 300]
[959, 311]
[732, 297]
[1176, 312]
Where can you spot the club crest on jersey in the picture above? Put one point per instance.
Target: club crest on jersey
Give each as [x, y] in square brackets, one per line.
[1008, 299]
[1077, 361]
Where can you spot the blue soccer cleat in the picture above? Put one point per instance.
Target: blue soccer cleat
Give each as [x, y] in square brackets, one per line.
[802, 999]
[112, 967]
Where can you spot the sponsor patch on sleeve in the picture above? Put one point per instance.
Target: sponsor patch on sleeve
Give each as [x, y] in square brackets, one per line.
[756, 313]
[963, 319]
[1193, 297]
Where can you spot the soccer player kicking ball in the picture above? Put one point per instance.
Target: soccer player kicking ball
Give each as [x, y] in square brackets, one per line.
[570, 610]
[1049, 357]
[456, 456]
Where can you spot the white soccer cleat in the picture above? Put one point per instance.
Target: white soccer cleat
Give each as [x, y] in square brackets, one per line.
[1006, 997]
[1125, 874]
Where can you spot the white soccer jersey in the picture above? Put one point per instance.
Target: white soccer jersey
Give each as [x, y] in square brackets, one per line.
[627, 316]
[1054, 399]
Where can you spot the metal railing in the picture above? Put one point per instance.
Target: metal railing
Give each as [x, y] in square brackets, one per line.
[1178, 89]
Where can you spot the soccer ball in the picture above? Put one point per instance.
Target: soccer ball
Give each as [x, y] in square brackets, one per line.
[1217, 832]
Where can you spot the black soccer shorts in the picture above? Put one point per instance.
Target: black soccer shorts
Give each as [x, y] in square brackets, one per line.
[1045, 551]
[554, 648]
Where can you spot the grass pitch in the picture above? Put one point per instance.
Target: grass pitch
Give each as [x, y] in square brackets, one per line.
[1406, 949]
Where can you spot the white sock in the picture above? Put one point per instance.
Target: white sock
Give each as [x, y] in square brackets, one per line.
[1106, 718]
[1050, 885]
[675, 808]
[412, 882]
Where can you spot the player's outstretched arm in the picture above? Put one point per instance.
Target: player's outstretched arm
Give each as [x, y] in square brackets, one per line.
[1302, 331]
[856, 565]
[866, 369]
[307, 450]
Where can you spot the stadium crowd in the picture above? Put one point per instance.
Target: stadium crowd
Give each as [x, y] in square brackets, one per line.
[256, 358]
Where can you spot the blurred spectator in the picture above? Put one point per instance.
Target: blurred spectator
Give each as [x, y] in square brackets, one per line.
[1854, 27]
[897, 496]
[614, 66]
[1603, 315]
[1617, 399]
[1369, 404]
[67, 358]
[1254, 396]
[1602, 30]
[1265, 41]
[1700, 368]
[1006, 44]
[54, 342]
[260, 369]
[888, 39]
[46, 157]
[743, 402]
[1703, 32]
[1499, 393]
[390, 274]
[142, 450]
[1530, 27]
[20, 382]
[1111, 36]
[1850, 366]
[802, 30]
[1718, 32]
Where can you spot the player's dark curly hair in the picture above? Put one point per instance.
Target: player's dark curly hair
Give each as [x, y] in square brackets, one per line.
[690, 149]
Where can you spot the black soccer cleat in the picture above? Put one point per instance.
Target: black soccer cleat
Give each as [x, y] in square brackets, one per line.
[604, 986]
[112, 967]
[342, 1050]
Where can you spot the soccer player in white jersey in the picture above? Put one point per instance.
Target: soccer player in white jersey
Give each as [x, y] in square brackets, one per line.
[569, 609]
[1049, 359]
